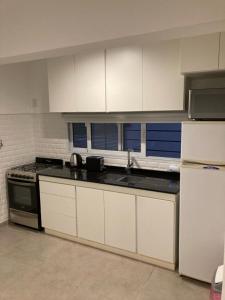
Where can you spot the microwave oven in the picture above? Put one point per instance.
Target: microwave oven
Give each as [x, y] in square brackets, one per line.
[207, 104]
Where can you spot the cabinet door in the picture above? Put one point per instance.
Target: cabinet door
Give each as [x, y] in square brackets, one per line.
[163, 86]
[90, 214]
[58, 207]
[90, 81]
[156, 228]
[200, 53]
[222, 51]
[124, 79]
[61, 84]
[39, 87]
[120, 221]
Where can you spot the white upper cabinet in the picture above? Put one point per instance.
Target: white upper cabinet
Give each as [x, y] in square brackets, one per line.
[77, 83]
[222, 51]
[124, 79]
[61, 84]
[39, 87]
[89, 81]
[200, 53]
[163, 85]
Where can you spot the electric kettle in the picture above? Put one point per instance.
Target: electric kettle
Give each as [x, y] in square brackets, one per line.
[76, 160]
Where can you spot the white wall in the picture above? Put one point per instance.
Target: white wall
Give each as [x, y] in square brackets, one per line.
[31, 26]
[24, 88]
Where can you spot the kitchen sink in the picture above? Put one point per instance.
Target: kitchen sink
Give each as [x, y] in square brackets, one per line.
[131, 179]
[112, 177]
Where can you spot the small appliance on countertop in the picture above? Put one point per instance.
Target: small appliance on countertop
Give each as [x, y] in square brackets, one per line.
[23, 191]
[76, 160]
[95, 163]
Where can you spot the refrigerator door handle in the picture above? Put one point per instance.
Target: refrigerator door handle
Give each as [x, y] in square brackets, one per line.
[210, 167]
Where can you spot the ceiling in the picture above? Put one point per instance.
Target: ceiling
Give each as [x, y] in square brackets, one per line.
[29, 27]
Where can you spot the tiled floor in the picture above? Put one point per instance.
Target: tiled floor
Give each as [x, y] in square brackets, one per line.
[36, 266]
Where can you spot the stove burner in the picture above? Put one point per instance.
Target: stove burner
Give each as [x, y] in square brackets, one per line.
[28, 172]
[33, 167]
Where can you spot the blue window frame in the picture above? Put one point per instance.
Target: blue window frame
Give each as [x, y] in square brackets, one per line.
[132, 136]
[79, 135]
[163, 139]
[104, 136]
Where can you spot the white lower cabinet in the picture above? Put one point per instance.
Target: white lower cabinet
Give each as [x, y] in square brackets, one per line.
[90, 214]
[58, 207]
[133, 224]
[120, 221]
[156, 228]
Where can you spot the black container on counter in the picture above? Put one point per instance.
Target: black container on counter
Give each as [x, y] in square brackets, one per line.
[95, 163]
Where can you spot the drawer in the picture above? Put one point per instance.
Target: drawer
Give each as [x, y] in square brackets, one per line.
[58, 204]
[57, 189]
[59, 222]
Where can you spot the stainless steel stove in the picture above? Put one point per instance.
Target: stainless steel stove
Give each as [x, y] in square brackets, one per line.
[23, 192]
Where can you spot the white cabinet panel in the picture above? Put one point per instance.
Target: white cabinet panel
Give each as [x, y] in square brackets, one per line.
[39, 86]
[61, 84]
[58, 207]
[163, 86]
[120, 221]
[58, 222]
[58, 204]
[90, 214]
[222, 51]
[89, 81]
[203, 142]
[124, 79]
[63, 190]
[200, 53]
[156, 228]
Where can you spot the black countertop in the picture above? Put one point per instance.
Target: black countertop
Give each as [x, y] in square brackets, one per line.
[165, 182]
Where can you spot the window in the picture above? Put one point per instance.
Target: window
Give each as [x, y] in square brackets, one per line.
[163, 139]
[132, 137]
[104, 136]
[79, 135]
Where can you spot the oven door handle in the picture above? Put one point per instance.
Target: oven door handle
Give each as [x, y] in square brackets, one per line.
[21, 183]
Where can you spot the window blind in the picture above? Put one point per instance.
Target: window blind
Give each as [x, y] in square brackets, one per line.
[163, 139]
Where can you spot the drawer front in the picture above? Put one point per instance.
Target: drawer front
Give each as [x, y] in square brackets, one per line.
[57, 189]
[58, 204]
[59, 222]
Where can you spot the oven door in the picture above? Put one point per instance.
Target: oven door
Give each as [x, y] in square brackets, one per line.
[23, 196]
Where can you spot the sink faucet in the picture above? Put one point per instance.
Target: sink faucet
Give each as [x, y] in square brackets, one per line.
[130, 163]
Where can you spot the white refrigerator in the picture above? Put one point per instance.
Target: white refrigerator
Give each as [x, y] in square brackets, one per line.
[202, 199]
